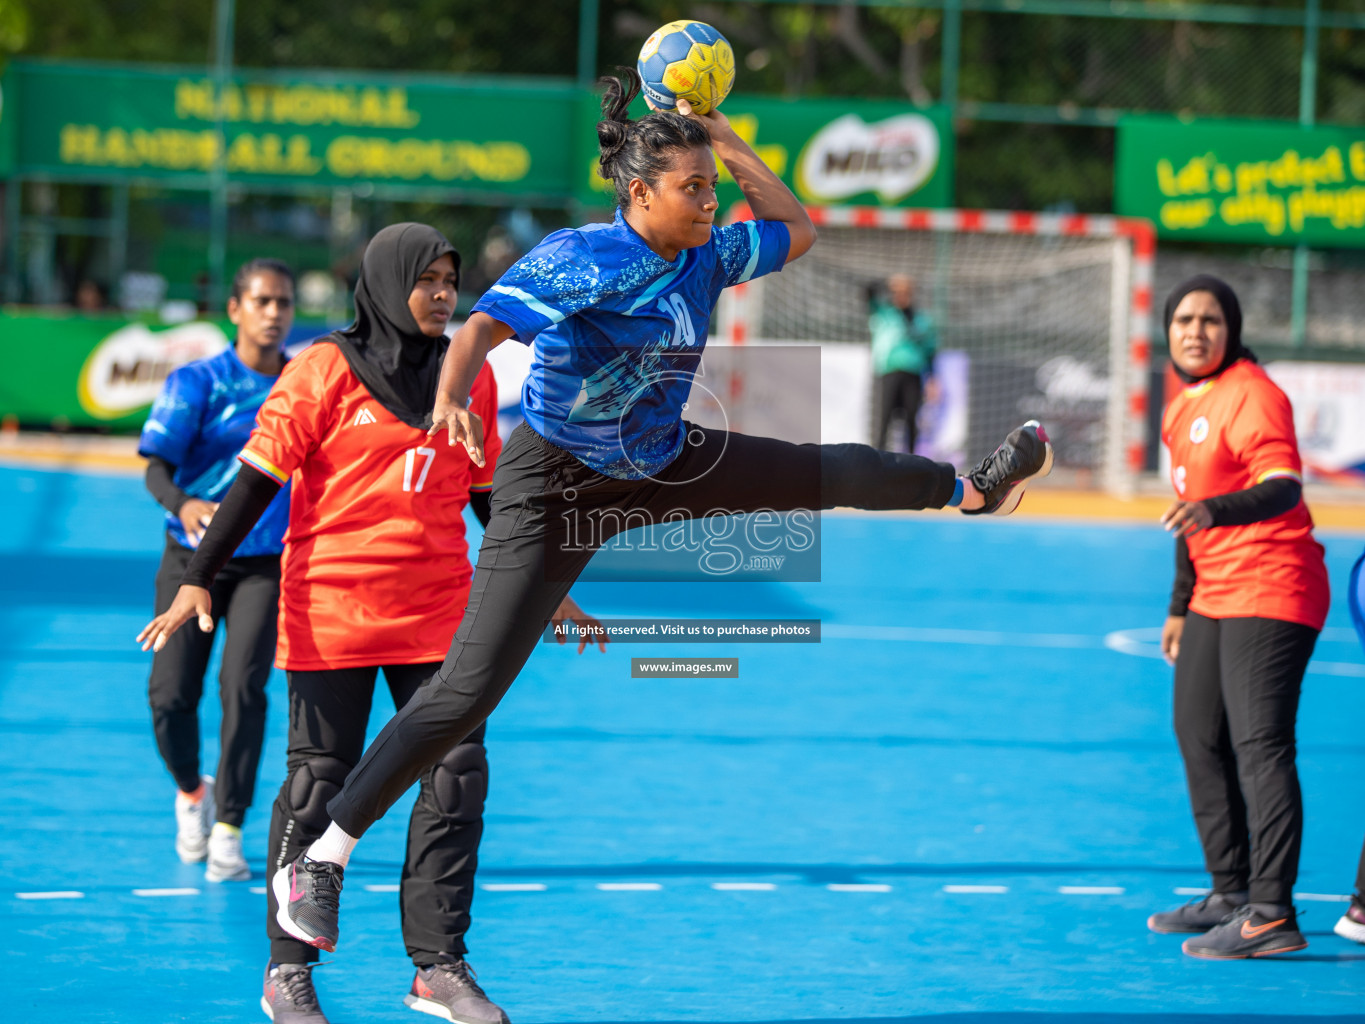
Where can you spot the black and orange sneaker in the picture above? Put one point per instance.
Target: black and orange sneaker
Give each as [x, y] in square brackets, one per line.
[1257, 929]
[309, 896]
[1352, 923]
[1002, 476]
[450, 991]
[1197, 916]
[288, 997]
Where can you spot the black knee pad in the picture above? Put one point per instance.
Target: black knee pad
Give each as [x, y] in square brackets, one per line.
[311, 785]
[459, 782]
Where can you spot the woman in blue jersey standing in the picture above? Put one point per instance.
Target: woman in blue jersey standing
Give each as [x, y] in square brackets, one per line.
[204, 415]
[617, 316]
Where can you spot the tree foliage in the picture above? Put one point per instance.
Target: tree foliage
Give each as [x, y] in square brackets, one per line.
[14, 26]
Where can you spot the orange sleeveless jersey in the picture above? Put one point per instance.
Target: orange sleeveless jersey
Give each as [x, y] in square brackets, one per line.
[376, 567]
[1228, 434]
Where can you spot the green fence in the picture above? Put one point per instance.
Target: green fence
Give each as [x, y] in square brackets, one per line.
[1035, 91]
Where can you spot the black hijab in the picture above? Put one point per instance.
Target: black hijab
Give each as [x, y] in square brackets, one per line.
[397, 363]
[1232, 313]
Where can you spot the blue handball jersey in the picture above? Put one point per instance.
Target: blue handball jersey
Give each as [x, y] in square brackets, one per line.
[617, 333]
[200, 422]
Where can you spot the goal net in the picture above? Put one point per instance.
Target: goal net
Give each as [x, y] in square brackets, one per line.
[1037, 316]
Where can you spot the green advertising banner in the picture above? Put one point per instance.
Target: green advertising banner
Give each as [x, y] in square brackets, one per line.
[313, 127]
[830, 152]
[509, 137]
[93, 371]
[1243, 182]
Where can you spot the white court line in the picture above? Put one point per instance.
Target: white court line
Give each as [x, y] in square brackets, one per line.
[1145, 642]
[743, 886]
[60, 894]
[165, 892]
[257, 890]
[514, 887]
[1337, 668]
[381, 888]
[1186, 891]
[1320, 897]
[870, 887]
[1091, 890]
[984, 890]
[969, 637]
[629, 886]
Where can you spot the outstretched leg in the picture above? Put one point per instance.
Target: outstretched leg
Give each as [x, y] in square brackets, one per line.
[528, 562]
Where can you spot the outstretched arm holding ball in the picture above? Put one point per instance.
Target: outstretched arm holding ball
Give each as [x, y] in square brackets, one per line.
[768, 195]
[689, 67]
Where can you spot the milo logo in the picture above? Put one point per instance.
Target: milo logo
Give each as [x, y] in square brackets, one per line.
[125, 371]
[848, 156]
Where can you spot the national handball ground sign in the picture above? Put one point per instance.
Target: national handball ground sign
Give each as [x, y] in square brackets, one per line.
[1233, 181]
[500, 139]
[461, 135]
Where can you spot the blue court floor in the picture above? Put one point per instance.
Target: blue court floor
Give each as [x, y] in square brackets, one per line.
[959, 807]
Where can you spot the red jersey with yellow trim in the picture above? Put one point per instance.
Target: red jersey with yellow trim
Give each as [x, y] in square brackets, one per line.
[1227, 434]
[376, 567]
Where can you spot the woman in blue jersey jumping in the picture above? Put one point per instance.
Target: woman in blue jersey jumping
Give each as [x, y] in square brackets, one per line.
[617, 315]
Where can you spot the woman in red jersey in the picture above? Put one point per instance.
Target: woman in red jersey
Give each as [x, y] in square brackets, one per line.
[375, 575]
[1249, 600]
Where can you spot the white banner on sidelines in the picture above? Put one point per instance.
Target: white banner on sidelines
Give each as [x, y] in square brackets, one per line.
[1329, 418]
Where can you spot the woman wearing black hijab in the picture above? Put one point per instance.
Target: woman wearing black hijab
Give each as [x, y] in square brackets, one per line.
[375, 575]
[1249, 600]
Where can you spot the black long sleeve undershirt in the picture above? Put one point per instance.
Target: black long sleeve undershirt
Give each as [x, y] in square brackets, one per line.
[160, 482]
[1265, 500]
[245, 502]
[1183, 587]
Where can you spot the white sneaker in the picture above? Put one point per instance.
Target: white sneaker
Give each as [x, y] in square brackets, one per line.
[192, 822]
[226, 863]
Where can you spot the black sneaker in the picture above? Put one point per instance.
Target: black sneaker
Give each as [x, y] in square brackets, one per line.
[450, 991]
[289, 997]
[309, 893]
[1198, 916]
[1352, 923]
[1002, 476]
[1257, 929]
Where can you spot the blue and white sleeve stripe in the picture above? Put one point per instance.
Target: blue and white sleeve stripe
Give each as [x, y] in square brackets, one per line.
[529, 301]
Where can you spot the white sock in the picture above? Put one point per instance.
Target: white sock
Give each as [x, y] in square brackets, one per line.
[333, 845]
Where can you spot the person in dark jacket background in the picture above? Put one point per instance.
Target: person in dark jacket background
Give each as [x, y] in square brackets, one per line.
[904, 341]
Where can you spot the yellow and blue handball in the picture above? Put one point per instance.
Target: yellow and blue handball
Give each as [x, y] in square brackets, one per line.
[686, 60]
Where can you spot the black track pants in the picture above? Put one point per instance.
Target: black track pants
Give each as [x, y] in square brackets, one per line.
[328, 713]
[526, 565]
[1237, 685]
[246, 598]
[899, 392]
